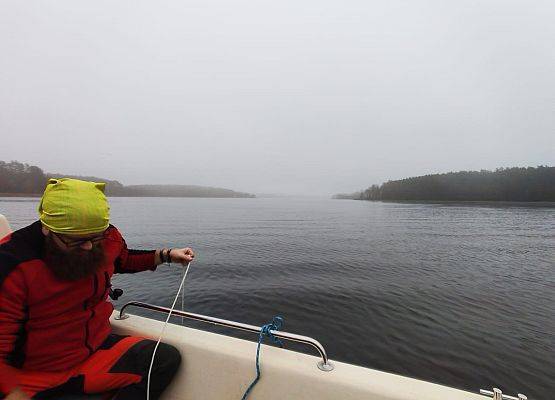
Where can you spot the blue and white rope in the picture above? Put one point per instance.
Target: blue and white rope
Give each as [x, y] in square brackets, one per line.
[275, 325]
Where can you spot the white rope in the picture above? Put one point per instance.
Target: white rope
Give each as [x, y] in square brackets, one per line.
[183, 296]
[164, 329]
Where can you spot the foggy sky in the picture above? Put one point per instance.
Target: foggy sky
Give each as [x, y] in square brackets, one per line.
[301, 97]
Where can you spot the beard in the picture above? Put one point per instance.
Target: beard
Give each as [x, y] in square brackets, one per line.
[72, 264]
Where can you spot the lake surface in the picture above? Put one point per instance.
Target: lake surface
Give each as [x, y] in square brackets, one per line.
[458, 294]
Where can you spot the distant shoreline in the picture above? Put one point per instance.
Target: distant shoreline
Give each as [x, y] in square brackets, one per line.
[470, 202]
[20, 195]
[127, 195]
[516, 184]
[16, 176]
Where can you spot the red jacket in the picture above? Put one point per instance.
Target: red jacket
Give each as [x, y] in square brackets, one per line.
[51, 325]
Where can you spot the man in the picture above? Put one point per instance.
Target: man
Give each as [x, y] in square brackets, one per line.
[55, 335]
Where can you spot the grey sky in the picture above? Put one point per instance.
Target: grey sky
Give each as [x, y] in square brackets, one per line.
[276, 96]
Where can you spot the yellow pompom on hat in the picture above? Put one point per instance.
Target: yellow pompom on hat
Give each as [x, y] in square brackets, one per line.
[73, 206]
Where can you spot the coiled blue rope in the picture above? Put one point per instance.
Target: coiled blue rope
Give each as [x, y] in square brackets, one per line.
[275, 325]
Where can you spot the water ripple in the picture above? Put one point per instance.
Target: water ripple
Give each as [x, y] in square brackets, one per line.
[459, 294]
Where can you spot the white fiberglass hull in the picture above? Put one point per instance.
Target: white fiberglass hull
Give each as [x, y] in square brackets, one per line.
[218, 367]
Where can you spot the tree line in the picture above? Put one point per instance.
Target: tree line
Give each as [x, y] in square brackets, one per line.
[503, 184]
[24, 179]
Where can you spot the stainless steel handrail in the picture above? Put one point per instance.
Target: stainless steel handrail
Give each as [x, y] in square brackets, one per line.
[496, 394]
[323, 365]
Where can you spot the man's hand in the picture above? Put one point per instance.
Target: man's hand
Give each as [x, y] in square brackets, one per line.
[182, 256]
[17, 394]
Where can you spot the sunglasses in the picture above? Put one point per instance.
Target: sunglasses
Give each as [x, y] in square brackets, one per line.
[77, 243]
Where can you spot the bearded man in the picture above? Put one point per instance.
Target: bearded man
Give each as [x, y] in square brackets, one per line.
[55, 334]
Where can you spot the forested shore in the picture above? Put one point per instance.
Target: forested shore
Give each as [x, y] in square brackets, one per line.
[19, 179]
[532, 184]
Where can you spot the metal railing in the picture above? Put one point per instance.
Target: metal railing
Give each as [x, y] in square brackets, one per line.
[323, 365]
[498, 395]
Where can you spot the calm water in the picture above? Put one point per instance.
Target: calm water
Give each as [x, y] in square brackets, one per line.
[462, 295]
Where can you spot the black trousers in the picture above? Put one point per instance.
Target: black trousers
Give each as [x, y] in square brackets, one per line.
[137, 361]
[134, 362]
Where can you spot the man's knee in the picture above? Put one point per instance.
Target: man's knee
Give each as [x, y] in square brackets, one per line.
[166, 363]
[137, 359]
[167, 359]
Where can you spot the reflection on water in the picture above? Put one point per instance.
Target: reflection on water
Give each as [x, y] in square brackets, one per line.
[459, 294]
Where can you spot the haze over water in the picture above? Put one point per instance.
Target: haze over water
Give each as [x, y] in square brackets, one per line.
[296, 96]
[458, 294]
